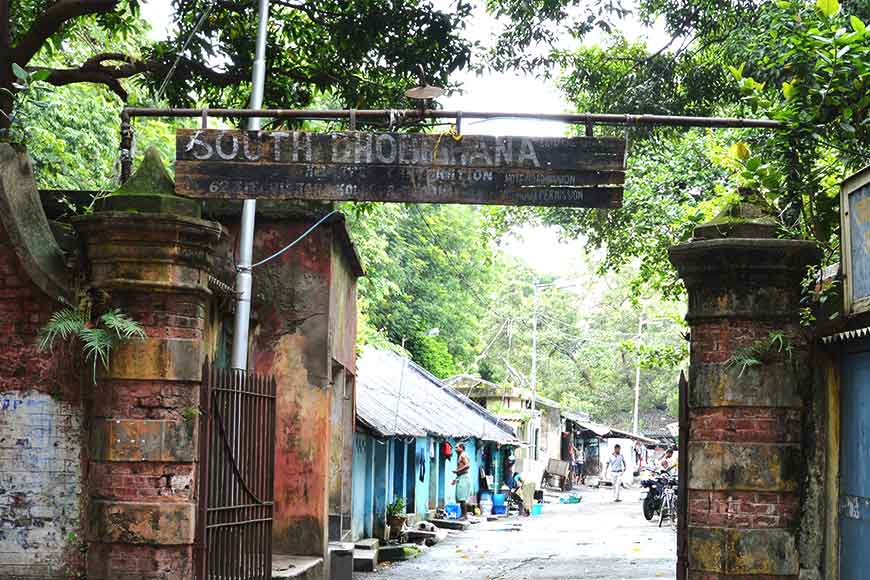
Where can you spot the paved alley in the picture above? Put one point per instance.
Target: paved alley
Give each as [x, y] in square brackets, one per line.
[593, 539]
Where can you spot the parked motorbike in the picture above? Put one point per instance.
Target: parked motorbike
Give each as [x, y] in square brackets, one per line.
[653, 490]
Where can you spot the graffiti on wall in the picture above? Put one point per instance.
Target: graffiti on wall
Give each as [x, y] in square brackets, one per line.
[40, 482]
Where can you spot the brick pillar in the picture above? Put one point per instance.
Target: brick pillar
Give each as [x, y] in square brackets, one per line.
[143, 424]
[745, 462]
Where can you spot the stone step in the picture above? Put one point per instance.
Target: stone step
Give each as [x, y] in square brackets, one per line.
[451, 524]
[398, 552]
[298, 567]
[365, 560]
[367, 544]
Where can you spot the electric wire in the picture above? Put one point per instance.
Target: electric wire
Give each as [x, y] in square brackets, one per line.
[184, 46]
[294, 242]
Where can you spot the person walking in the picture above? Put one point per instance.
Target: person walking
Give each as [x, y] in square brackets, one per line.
[616, 467]
[462, 481]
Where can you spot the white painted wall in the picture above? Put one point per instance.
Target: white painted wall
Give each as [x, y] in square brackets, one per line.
[40, 484]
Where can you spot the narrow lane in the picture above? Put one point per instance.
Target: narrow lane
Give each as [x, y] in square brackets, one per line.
[596, 539]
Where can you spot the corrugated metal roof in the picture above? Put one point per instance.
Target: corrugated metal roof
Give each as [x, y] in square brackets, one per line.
[477, 386]
[395, 396]
[604, 431]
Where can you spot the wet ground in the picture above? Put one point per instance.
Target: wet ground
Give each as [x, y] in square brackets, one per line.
[593, 539]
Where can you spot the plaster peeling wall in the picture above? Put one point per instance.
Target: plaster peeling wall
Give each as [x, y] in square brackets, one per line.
[40, 485]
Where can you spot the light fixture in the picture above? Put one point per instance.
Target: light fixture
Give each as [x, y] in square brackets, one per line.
[424, 92]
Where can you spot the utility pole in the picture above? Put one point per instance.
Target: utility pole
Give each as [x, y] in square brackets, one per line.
[640, 324]
[241, 326]
[533, 382]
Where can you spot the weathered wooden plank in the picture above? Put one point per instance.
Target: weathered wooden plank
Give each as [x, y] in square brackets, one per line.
[401, 149]
[235, 180]
[401, 167]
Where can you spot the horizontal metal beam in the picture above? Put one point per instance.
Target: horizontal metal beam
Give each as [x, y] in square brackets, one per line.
[401, 114]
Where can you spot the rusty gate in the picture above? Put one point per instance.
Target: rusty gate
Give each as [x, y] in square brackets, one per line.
[237, 460]
[683, 489]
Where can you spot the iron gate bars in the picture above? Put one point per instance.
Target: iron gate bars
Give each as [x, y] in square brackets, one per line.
[237, 471]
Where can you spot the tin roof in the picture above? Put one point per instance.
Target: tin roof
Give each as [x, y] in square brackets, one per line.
[604, 431]
[478, 387]
[395, 396]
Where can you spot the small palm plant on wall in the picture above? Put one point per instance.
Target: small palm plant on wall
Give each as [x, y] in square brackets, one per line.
[78, 323]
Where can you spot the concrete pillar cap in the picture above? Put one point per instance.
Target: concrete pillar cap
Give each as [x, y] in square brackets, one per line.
[150, 190]
[744, 219]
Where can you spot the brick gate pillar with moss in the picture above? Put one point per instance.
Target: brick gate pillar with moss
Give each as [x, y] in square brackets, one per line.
[150, 251]
[748, 374]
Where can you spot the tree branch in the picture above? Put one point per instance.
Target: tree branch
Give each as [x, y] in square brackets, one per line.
[52, 20]
[5, 37]
[99, 59]
[99, 75]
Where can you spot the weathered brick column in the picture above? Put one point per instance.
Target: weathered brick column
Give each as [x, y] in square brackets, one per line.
[150, 251]
[744, 450]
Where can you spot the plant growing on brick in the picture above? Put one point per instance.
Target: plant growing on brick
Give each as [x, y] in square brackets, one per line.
[761, 351]
[96, 335]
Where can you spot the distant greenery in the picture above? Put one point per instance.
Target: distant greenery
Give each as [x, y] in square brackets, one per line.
[428, 278]
[804, 62]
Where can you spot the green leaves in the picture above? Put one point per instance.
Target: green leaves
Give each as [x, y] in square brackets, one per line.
[737, 72]
[789, 89]
[20, 73]
[857, 25]
[97, 339]
[740, 151]
[828, 7]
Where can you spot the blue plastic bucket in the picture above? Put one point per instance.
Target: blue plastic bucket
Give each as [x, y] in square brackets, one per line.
[453, 511]
[499, 499]
[537, 508]
[499, 510]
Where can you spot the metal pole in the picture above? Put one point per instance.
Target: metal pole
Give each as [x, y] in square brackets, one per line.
[534, 379]
[382, 115]
[242, 321]
[637, 379]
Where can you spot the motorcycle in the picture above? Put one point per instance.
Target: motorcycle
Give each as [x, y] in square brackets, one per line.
[652, 492]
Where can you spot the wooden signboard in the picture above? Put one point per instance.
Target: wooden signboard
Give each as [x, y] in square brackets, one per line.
[400, 167]
[855, 246]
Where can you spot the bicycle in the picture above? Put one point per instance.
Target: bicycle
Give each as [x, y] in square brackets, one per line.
[669, 507]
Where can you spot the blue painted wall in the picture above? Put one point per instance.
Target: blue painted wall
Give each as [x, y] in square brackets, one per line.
[421, 486]
[363, 461]
[386, 469]
[382, 483]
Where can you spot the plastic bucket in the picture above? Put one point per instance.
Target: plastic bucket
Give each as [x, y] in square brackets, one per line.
[453, 511]
[537, 508]
[499, 499]
[485, 507]
[499, 510]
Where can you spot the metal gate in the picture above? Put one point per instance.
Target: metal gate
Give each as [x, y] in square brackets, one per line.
[854, 465]
[237, 463]
[683, 483]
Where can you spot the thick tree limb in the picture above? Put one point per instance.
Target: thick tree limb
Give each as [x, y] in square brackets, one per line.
[52, 20]
[99, 75]
[5, 38]
[93, 71]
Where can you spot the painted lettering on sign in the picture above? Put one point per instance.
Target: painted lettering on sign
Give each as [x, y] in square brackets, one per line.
[408, 167]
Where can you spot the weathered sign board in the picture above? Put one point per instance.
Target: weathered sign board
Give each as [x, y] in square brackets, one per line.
[855, 222]
[400, 167]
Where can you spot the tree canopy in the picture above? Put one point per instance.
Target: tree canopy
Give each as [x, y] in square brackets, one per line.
[804, 63]
[361, 53]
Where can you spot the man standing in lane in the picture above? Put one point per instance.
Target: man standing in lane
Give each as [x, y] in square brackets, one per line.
[616, 467]
[462, 481]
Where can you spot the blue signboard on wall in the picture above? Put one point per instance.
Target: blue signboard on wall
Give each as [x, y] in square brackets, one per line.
[855, 204]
